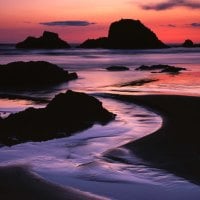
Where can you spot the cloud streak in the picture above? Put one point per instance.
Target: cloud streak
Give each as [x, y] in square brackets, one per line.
[172, 4]
[67, 23]
[169, 25]
[195, 25]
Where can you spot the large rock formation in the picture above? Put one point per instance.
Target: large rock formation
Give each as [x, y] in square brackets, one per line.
[127, 34]
[48, 40]
[67, 113]
[27, 75]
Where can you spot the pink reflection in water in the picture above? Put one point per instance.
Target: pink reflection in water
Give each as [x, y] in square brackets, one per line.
[8, 106]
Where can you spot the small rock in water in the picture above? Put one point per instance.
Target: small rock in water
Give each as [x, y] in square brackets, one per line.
[162, 68]
[117, 68]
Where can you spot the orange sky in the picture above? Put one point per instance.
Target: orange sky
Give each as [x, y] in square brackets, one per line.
[20, 18]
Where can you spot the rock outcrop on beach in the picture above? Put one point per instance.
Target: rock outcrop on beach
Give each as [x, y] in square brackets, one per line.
[127, 34]
[117, 68]
[67, 113]
[160, 68]
[132, 34]
[33, 74]
[48, 40]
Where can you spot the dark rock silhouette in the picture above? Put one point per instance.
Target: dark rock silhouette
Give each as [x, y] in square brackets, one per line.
[48, 40]
[188, 43]
[162, 68]
[117, 68]
[132, 34]
[27, 75]
[67, 113]
[95, 43]
[127, 34]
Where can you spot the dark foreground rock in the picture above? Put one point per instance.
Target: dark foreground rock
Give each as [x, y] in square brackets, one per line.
[67, 113]
[27, 75]
[161, 68]
[127, 34]
[48, 40]
[132, 34]
[117, 68]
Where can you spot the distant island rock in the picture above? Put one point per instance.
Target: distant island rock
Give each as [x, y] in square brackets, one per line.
[33, 74]
[95, 43]
[161, 68]
[117, 68]
[48, 40]
[126, 34]
[67, 113]
[189, 43]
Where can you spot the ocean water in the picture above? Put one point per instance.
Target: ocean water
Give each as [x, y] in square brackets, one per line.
[80, 160]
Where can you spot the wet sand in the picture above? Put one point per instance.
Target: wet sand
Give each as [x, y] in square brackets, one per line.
[175, 147]
[16, 182]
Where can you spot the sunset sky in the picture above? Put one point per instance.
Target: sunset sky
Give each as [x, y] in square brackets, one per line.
[77, 20]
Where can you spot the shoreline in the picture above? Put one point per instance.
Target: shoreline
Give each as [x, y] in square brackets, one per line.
[175, 147]
[177, 156]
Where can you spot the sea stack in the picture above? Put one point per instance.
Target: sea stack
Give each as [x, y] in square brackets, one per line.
[127, 34]
[132, 34]
[188, 43]
[48, 40]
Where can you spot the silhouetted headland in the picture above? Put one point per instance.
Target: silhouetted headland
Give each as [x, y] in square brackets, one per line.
[67, 113]
[175, 147]
[161, 68]
[126, 34]
[48, 40]
[33, 74]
